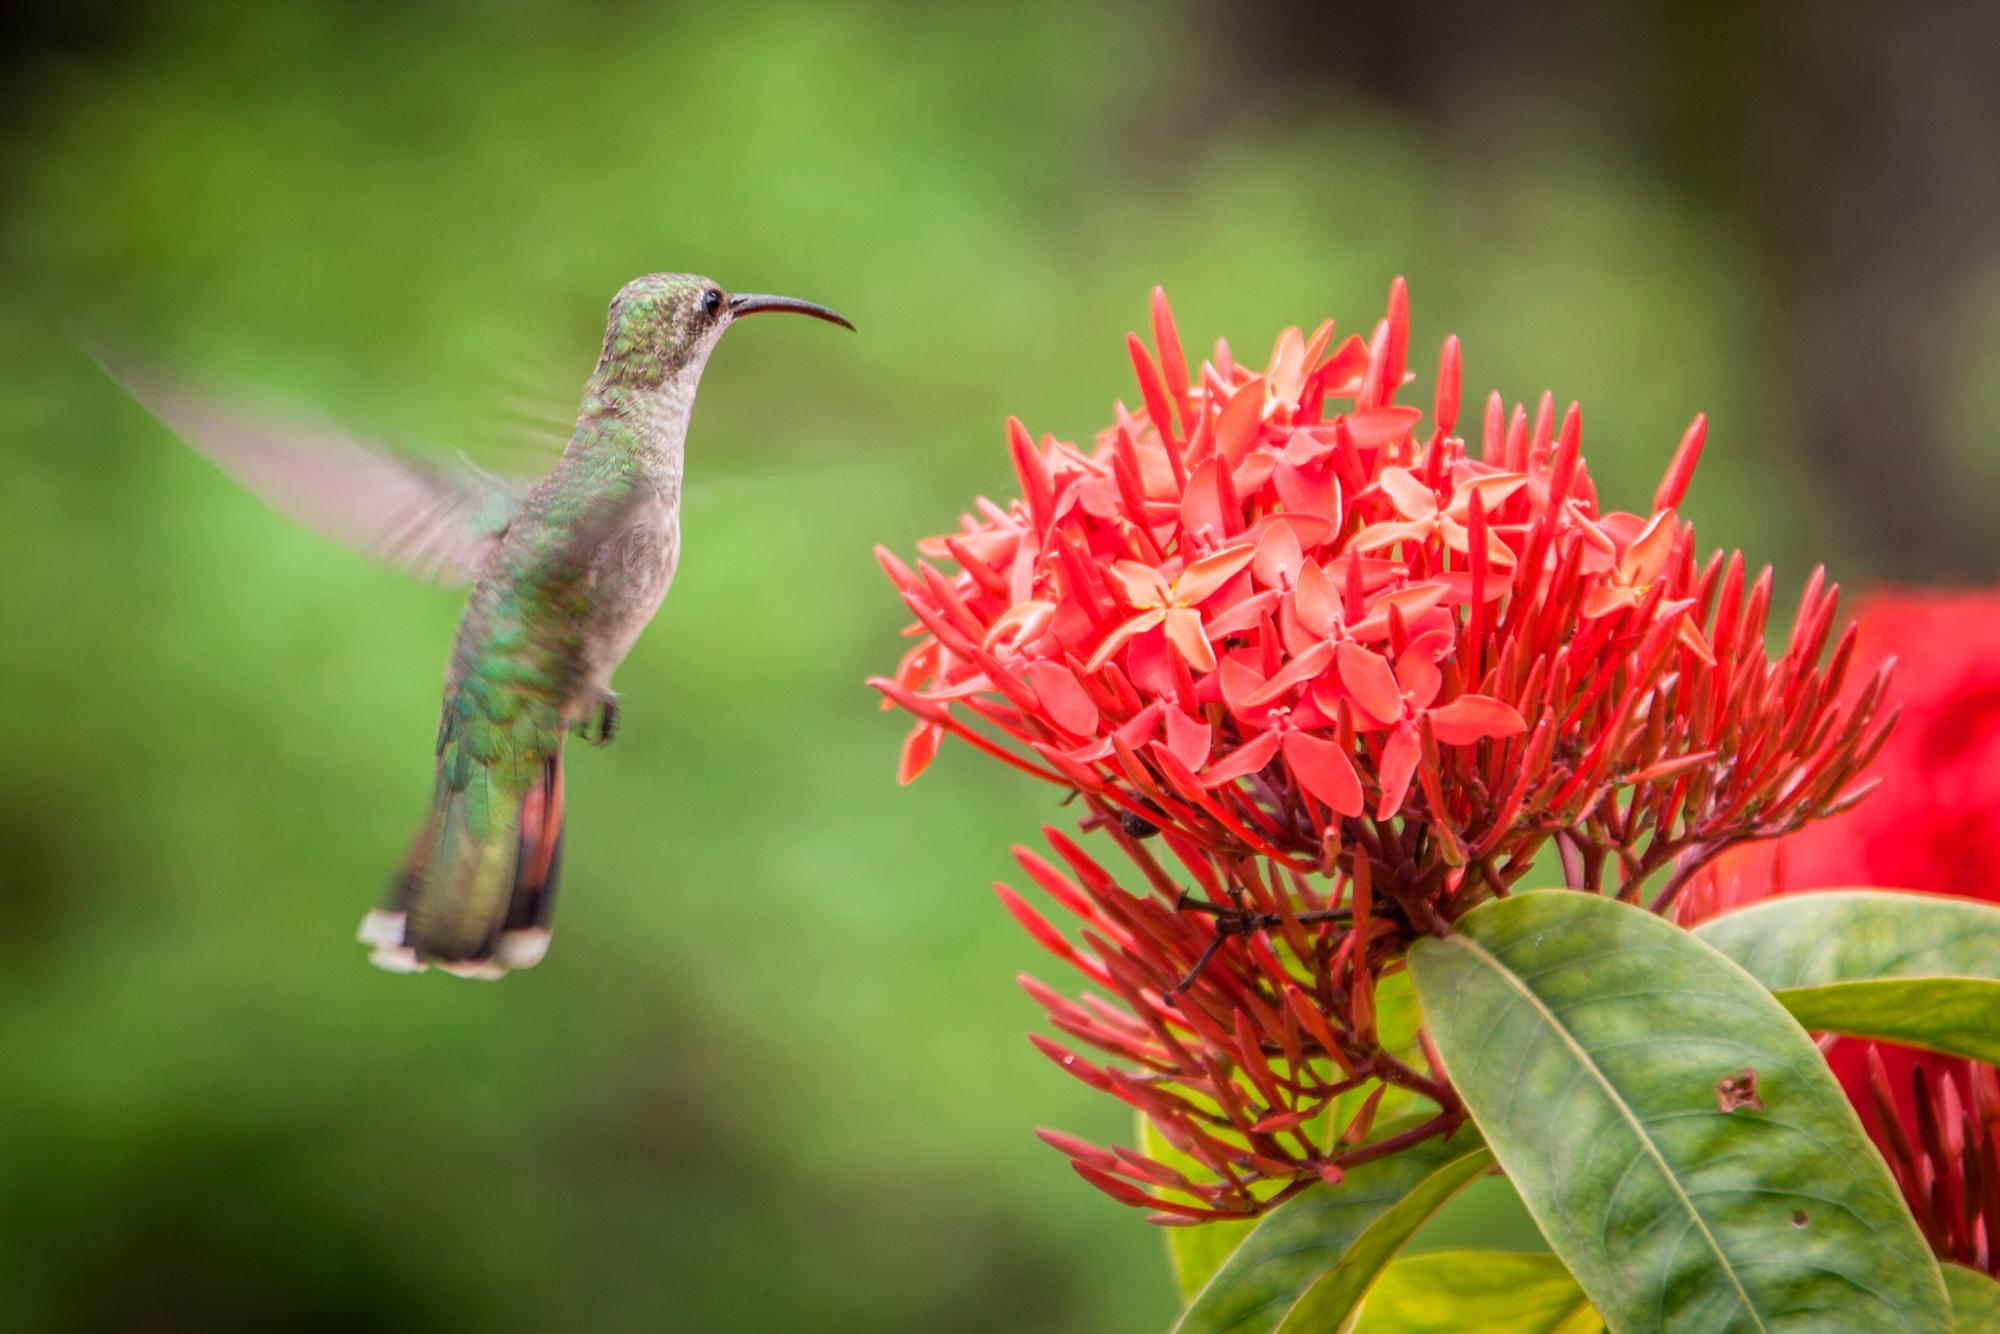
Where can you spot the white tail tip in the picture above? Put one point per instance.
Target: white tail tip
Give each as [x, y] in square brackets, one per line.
[383, 931]
[382, 928]
[396, 959]
[523, 948]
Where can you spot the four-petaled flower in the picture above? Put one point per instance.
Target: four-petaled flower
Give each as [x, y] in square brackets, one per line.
[1321, 766]
[1631, 553]
[1421, 517]
[1171, 604]
[1401, 700]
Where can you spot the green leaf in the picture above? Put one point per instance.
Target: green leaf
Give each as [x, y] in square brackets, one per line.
[1975, 1299]
[1397, 1017]
[1198, 1251]
[1588, 1038]
[1494, 1292]
[1195, 1252]
[1919, 969]
[1307, 1262]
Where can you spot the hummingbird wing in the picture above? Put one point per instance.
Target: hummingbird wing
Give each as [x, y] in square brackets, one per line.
[439, 521]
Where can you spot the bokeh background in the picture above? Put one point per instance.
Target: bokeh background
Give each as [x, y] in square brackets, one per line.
[772, 1075]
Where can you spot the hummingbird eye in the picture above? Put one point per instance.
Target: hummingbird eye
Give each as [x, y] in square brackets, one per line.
[711, 303]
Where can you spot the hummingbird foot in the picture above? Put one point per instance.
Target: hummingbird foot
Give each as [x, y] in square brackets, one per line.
[602, 728]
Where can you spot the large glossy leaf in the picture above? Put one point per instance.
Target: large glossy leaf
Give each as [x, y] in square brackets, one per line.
[1494, 1292]
[1594, 1043]
[1918, 969]
[1975, 1300]
[1307, 1262]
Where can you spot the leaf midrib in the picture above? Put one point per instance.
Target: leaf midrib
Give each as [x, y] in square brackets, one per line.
[1624, 1109]
[1885, 979]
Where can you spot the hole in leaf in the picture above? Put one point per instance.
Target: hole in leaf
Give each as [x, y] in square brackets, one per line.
[1738, 1090]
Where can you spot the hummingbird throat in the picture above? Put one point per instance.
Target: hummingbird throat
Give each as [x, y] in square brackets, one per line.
[649, 422]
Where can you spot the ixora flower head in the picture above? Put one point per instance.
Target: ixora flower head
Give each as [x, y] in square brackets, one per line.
[1328, 676]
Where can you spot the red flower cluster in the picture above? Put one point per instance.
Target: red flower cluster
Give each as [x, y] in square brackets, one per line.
[1929, 829]
[1356, 675]
[1943, 1147]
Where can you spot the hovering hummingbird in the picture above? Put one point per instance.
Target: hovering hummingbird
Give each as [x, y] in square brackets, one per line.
[566, 571]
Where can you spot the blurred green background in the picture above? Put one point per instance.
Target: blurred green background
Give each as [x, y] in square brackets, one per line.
[772, 1075]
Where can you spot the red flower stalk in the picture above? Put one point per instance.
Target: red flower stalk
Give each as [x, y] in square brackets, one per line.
[1356, 674]
[1944, 1151]
[1927, 829]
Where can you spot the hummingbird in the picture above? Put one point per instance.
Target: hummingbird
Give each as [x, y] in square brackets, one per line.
[566, 571]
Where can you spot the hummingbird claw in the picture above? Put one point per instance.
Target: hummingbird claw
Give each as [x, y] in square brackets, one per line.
[603, 729]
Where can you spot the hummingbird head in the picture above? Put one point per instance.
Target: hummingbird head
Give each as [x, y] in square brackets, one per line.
[663, 326]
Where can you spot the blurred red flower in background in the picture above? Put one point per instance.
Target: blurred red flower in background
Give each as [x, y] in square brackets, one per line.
[1355, 674]
[1930, 826]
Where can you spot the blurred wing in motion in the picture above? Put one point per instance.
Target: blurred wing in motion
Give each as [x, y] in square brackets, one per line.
[440, 522]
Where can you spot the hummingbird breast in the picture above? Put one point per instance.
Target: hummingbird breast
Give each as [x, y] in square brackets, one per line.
[581, 570]
[629, 576]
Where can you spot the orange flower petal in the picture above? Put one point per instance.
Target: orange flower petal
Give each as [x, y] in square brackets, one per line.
[1063, 698]
[1237, 428]
[1201, 580]
[1379, 535]
[1141, 584]
[1412, 499]
[1470, 717]
[1248, 758]
[1325, 770]
[1399, 765]
[1118, 638]
[1190, 639]
[1369, 680]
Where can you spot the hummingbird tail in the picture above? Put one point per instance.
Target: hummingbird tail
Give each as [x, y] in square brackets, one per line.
[476, 901]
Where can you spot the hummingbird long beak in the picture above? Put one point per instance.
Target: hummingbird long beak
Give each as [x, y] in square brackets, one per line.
[750, 304]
